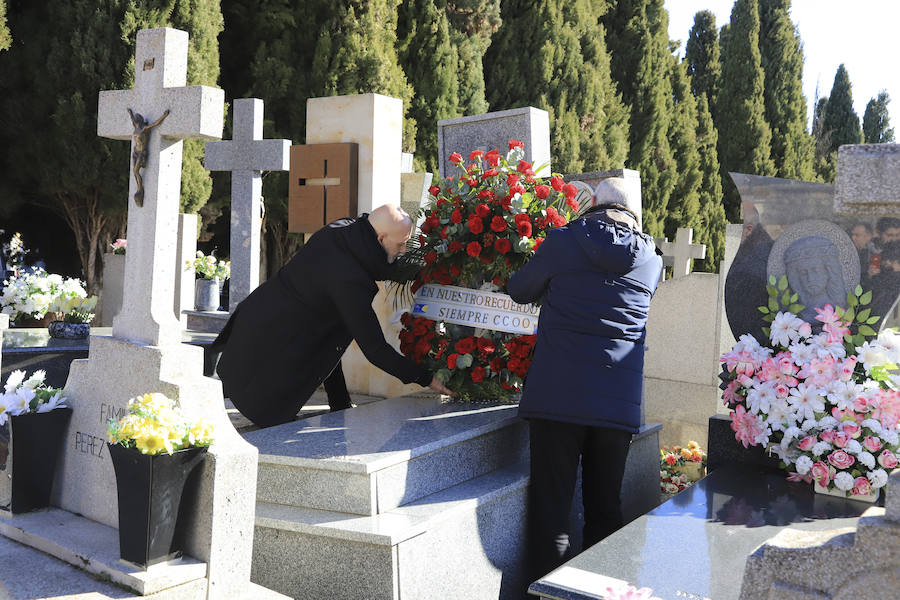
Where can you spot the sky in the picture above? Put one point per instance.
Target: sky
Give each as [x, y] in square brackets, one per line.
[858, 33]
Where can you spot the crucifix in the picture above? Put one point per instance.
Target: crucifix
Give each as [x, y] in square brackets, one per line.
[323, 185]
[178, 113]
[681, 251]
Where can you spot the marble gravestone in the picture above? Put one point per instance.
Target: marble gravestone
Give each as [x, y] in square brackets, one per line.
[144, 355]
[494, 130]
[246, 156]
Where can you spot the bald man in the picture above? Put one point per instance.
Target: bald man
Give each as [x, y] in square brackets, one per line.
[287, 337]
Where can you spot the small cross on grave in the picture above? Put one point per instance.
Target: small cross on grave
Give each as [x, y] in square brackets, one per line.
[190, 112]
[680, 252]
[246, 155]
[323, 185]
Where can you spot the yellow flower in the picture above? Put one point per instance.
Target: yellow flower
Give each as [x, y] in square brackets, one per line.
[693, 445]
[149, 441]
[686, 454]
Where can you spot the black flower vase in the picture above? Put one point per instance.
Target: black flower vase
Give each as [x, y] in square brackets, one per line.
[29, 451]
[155, 493]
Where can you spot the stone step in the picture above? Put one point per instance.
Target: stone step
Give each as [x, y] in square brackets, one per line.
[461, 542]
[374, 458]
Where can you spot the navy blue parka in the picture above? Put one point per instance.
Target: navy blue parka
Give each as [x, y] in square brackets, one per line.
[595, 277]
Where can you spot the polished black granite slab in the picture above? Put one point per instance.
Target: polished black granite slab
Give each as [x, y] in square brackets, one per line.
[695, 545]
[33, 349]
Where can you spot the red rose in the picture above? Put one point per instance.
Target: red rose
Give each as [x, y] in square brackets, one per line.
[572, 204]
[541, 191]
[514, 364]
[569, 190]
[406, 318]
[473, 249]
[517, 189]
[455, 158]
[537, 243]
[456, 216]
[524, 166]
[486, 345]
[455, 246]
[503, 245]
[430, 257]
[522, 218]
[476, 154]
[512, 179]
[465, 345]
[482, 210]
[516, 144]
[478, 374]
[524, 229]
[497, 365]
[492, 158]
[444, 233]
[475, 224]
[557, 182]
[498, 224]
[455, 270]
[506, 203]
[472, 182]
[451, 361]
[489, 173]
[434, 190]
[487, 258]
[486, 194]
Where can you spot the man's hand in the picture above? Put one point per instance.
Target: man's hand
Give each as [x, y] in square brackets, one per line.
[438, 386]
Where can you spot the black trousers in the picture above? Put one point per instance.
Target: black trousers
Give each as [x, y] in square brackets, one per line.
[336, 389]
[555, 451]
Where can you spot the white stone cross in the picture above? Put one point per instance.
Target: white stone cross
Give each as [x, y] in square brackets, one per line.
[245, 155]
[193, 112]
[681, 251]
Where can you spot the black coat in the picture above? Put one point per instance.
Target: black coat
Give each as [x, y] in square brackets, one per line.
[286, 337]
[596, 277]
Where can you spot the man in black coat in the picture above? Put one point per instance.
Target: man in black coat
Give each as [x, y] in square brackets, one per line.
[288, 336]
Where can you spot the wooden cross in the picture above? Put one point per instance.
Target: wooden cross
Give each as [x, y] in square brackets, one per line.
[246, 155]
[323, 185]
[193, 112]
[681, 251]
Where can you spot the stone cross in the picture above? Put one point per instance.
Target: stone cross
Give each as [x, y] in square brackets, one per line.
[681, 251]
[246, 155]
[193, 112]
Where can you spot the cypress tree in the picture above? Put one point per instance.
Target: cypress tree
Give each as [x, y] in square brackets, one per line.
[702, 55]
[564, 71]
[744, 135]
[684, 205]
[876, 121]
[822, 140]
[639, 46]
[840, 120]
[782, 62]
[711, 230]
[473, 22]
[431, 64]
[5, 38]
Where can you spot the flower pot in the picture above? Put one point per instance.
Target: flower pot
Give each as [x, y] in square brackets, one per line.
[29, 450]
[155, 492]
[206, 295]
[833, 491]
[69, 331]
[694, 470]
[32, 323]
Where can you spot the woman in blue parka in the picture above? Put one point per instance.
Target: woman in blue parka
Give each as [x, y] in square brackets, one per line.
[582, 396]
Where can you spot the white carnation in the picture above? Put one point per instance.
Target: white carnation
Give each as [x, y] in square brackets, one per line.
[827, 422]
[874, 425]
[804, 464]
[890, 437]
[853, 447]
[843, 481]
[867, 459]
[878, 478]
[808, 424]
[821, 448]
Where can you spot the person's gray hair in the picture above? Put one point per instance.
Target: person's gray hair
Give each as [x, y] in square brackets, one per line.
[614, 190]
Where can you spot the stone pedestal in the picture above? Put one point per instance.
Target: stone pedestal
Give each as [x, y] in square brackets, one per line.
[113, 288]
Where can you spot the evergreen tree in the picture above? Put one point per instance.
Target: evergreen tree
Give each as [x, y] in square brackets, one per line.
[702, 55]
[711, 230]
[822, 141]
[431, 64]
[782, 62]
[639, 46]
[5, 38]
[552, 55]
[79, 48]
[684, 205]
[876, 121]
[473, 22]
[840, 120]
[744, 134]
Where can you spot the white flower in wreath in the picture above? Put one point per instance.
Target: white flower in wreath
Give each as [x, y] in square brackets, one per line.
[806, 400]
[780, 417]
[843, 481]
[785, 329]
[824, 347]
[871, 355]
[890, 341]
[878, 478]
[748, 343]
[890, 437]
[790, 434]
[808, 424]
[820, 448]
[874, 425]
[803, 464]
[802, 353]
[760, 396]
[867, 459]
[827, 422]
[853, 447]
[843, 393]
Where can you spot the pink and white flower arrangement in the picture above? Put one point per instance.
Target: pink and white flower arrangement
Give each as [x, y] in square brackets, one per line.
[824, 397]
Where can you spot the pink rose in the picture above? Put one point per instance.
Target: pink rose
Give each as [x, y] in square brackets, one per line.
[851, 428]
[887, 459]
[828, 436]
[842, 460]
[807, 443]
[782, 391]
[861, 487]
[861, 404]
[821, 473]
[872, 443]
[840, 439]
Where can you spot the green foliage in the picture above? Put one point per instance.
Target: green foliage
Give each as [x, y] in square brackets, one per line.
[840, 120]
[876, 121]
[744, 134]
[639, 46]
[782, 62]
[702, 55]
[552, 54]
[711, 230]
[825, 168]
[684, 205]
[473, 22]
[5, 37]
